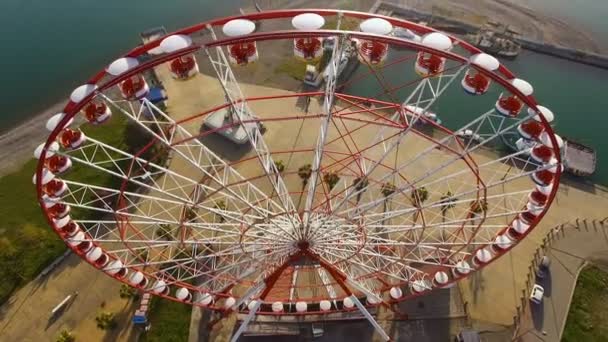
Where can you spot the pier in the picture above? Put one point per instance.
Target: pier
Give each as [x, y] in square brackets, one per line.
[462, 28]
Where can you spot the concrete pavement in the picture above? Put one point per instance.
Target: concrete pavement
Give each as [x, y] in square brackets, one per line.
[27, 314]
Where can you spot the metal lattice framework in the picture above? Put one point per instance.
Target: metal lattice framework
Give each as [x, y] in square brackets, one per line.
[351, 202]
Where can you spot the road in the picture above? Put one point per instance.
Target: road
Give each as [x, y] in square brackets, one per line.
[569, 251]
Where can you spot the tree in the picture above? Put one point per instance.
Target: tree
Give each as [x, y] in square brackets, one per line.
[331, 179]
[447, 203]
[305, 172]
[65, 336]
[190, 214]
[387, 189]
[479, 206]
[279, 165]
[127, 292]
[419, 196]
[360, 184]
[105, 320]
[221, 206]
[164, 231]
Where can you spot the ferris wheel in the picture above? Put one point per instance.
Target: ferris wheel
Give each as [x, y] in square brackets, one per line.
[192, 179]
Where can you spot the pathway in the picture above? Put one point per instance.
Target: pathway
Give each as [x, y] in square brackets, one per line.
[27, 314]
[570, 248]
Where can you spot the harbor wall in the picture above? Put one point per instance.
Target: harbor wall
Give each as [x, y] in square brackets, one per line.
[600, 61]
[459, 27]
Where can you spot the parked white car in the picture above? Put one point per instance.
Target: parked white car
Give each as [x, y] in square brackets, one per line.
[537, 294]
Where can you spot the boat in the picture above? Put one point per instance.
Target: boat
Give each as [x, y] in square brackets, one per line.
[497, 40]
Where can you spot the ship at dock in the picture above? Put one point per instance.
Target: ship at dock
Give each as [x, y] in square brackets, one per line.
[496, 39]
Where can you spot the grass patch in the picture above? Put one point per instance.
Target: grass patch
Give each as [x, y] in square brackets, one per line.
[292, 67]
[27, 243]
[588, 315]
[170, 321]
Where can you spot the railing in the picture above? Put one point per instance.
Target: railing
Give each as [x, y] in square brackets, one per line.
[556, 233]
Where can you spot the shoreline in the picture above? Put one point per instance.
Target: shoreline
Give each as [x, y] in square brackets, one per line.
[18, 142]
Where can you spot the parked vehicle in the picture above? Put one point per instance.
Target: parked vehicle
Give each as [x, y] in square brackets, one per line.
[537, 294]
[543, 267]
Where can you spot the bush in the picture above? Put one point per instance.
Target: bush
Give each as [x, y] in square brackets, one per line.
[105, 320]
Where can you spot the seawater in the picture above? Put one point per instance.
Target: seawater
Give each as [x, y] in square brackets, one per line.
[576, 93]
[50, 47]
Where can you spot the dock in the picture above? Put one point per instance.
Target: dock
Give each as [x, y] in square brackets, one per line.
[463, 28]
[579, 160]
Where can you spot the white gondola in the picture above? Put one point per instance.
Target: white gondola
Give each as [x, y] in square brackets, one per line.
[420, 285]
[348, 303]
[241, 53]
[138, 279]
[205, 299]
[428, 64]
[53, 148]
[325, 305]
[308, 48]
[373, 52]
[518, 227]
[502, 242]
[251, 305]
[183, 67]
[229, 302]
[301, 306]
[441, 278]
[461, 268]
[509, 104]
[482, 256]
[183, 294]
[54, 120]
[474, 81]
[134, 87]
[71, 139]
[277, 307]
[396, 293]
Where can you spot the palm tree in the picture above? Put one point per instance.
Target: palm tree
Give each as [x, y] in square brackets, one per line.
[221, 206]
[304, 172]
[418, 197]
[477, 207]
[164, 231]
[331, 179]
[66, 336]
[447, 202]
[360, 184]
[279, 165]
[387, 189]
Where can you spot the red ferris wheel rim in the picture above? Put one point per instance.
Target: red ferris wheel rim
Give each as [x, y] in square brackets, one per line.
[72, 109]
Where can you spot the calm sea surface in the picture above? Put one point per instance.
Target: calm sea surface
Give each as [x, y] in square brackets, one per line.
[50, 47]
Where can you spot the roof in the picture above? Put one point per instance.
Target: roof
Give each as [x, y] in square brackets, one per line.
[156, 95]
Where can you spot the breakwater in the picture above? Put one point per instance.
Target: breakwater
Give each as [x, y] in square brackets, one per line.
[463, 28]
